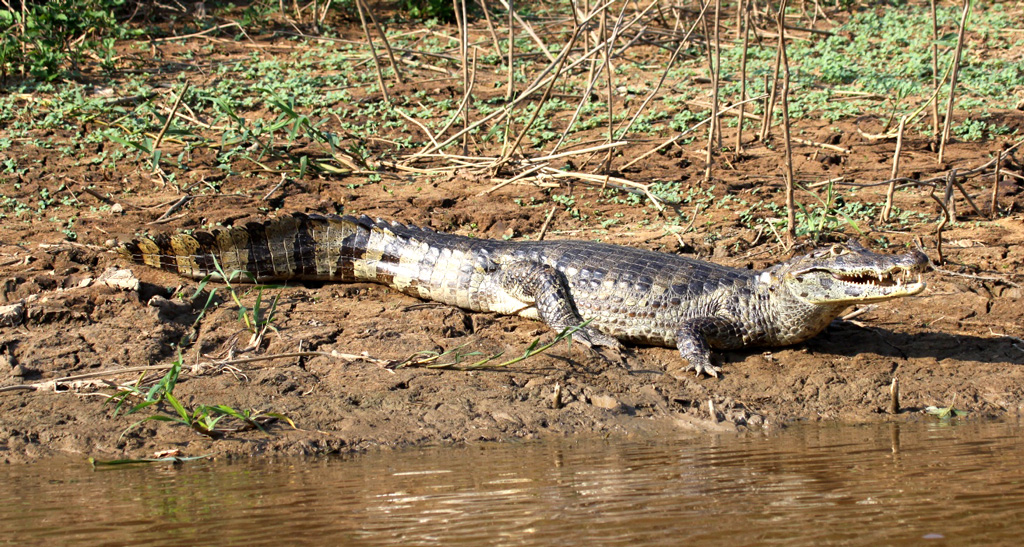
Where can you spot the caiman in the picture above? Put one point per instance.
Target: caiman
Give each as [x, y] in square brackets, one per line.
[620, 292]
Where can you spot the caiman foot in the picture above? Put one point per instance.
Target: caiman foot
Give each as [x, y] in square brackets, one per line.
[591, 337]
[694, 348]
[602, 345]
[701, 368]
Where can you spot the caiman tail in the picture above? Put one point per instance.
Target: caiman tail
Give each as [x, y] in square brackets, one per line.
[295, 247]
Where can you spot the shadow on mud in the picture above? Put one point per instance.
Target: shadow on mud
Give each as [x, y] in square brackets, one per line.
[850, 340]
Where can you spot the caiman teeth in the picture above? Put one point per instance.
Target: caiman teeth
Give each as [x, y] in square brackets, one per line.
[898, 278]
[876, 279]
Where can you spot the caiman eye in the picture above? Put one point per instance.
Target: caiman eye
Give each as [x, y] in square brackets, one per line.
[837, 250]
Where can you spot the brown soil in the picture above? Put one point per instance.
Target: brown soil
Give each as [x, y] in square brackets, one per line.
[958, 343]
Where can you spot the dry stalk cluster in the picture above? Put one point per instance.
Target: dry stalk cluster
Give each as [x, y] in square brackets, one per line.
[574, 56]
[590, 43]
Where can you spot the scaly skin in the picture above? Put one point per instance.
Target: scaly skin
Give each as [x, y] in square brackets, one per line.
[627, 294]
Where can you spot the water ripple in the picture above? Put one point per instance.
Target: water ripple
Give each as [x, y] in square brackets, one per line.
[888, 483]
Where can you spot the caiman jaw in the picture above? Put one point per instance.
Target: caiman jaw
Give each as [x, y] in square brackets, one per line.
[896, 279]
[850, 274]
[826, 286]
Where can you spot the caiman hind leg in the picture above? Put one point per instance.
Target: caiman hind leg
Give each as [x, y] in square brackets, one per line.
[693, 345]
[548, 290]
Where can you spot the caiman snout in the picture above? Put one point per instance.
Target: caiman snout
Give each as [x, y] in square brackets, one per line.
[851, 274]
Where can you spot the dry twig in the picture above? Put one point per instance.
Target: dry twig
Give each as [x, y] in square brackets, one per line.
[895, 169]
[174, 108]
[993, 204]
[714, 129]
[373, 51]
[784, 61]
[547, 221]
[742, 25]
[953, 79]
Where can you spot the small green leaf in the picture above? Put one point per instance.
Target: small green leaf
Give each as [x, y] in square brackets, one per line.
[280, 416]
[945, 413]
[177, 406]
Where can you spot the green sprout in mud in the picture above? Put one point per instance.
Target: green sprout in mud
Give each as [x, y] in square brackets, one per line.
[203, 419]
[818, 222]
[430, 359]
[977, 129]
[257, 320]
[946, 414]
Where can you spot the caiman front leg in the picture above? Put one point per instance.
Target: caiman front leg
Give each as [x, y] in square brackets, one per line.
[692, 343]
[547, 289]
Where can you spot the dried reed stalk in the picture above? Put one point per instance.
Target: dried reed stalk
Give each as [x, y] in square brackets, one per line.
[464, 105]
[540, 81]
[967, 196]
[490, 26]
[935, 70]
[993, 205]
[784, 61]
[529, 30]
[547, 93]
[373, 52]
[607, 54]
[947, 198]
[321, 15]
[675, 55]
[894, 396]
[593, 77]
[714, 130]
[511, 51]
[952, 81]
[684, 133]
[547, 222]
[945, 215]
[887, 209]
[769, 107]
[742, 26]
[174, 108]
[822, 145]
[387, 45]
[460, 19]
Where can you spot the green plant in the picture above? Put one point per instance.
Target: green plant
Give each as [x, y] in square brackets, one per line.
[946, 413]
[973, 129]
[827, 217]
[442, 10]
[429, 359]
[49, 39]
[154, 395]
[970, 130]
[257, 320]
[203, 419]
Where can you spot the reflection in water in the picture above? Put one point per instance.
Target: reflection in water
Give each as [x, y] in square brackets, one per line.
[887, 483]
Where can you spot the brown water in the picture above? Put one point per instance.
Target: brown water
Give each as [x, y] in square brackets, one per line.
[878, 484]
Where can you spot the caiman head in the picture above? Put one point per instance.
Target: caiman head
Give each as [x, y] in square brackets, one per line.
[843, 275]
